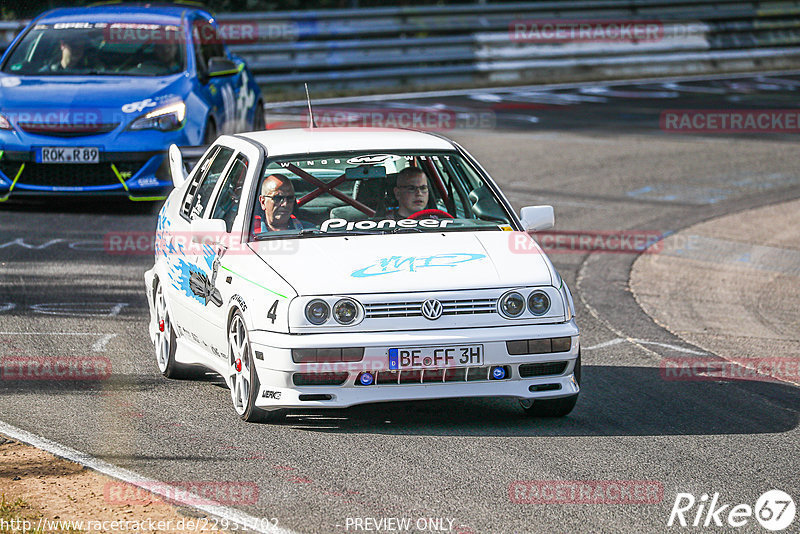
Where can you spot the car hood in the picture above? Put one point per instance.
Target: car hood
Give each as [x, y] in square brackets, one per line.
[408, 262]
[69, 94]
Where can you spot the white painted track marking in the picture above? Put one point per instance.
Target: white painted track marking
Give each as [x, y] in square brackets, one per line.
[80, 309]
[97, 346]
[617, 341]
[153, 486]
[100, 344]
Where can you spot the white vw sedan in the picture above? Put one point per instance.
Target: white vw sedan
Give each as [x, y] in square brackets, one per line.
[322, 268]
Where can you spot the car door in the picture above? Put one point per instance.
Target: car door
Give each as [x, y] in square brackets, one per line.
[221, 91]
[226, 207]
[184, 261]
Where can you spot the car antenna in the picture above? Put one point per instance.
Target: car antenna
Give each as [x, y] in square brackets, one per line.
[311, 122]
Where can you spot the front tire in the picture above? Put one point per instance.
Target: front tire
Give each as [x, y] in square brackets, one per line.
[242, 375]
[166, 340]
[554, 407]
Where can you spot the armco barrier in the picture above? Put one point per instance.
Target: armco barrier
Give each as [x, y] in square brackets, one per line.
[398, 48]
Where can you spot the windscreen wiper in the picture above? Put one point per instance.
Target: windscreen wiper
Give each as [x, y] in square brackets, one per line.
[309, 232]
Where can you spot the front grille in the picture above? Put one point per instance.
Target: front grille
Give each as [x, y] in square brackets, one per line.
[429, 376]
[527, 370]
[66, 130]
[10, 168]
[414, 308]
[71, 175]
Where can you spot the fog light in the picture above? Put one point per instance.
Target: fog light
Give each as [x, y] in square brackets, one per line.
[498, 373]
[366, 379]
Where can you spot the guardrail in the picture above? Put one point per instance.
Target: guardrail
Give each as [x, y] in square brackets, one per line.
[350, 50]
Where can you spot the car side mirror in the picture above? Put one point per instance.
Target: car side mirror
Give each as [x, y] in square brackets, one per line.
[176, 168]
[221, 66]
[535, 218]
[208, 231]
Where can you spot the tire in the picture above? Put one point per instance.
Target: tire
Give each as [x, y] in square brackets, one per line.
[242, 375]
[211, 133]
[259, 123]
[166, 341]
[554, 407]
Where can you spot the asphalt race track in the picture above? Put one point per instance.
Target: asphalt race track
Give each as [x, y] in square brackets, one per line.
[598, 156]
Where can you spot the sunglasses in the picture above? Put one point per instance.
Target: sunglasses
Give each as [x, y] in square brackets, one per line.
[280, 199]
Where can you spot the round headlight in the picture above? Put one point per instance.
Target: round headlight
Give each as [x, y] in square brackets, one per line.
[345, 311]
[538, 303]
[512, 304]
[317, 311]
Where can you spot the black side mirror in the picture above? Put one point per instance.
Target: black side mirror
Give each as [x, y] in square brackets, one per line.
[221, 66]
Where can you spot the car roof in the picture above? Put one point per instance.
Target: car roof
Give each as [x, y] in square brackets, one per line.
[331, 140]
[155, 14]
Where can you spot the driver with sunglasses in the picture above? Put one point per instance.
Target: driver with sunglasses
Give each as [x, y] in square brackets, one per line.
[277, 199]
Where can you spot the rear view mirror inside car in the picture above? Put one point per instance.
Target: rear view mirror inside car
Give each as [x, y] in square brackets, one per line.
[364, 173]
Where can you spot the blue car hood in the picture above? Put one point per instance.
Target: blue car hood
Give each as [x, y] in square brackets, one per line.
[117, 98]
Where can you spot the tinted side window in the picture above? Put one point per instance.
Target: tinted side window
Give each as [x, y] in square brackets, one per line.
[230, 193]
[209, 181]
[186, 208]
[207, 42]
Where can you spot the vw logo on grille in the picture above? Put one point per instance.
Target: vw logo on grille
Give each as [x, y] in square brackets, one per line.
[432, 309]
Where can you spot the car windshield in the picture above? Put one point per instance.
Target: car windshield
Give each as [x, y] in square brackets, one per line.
[373, 193]
[99, 49]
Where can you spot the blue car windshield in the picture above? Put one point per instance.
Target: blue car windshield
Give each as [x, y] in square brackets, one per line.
[85, 48]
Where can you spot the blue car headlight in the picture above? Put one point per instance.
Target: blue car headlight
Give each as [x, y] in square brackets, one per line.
[166, 118]
[5, 124]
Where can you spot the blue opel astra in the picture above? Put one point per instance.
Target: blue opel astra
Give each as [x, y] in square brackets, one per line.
[90, 99]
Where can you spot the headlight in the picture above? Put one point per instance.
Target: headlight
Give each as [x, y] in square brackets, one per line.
[317, 311]
[345, 311]
[5, 124]
[538, 303]
[512, 304]
[164, 118]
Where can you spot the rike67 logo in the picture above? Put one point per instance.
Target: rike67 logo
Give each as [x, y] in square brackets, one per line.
[774, 510]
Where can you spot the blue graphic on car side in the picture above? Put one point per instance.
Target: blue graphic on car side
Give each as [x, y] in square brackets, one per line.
[181, 270]
[182, 274]
[412, 264]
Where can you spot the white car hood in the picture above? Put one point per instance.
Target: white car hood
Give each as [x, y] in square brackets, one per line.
[407, 262]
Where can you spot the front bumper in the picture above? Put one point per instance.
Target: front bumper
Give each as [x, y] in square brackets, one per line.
[276, 369]
[132, 175]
